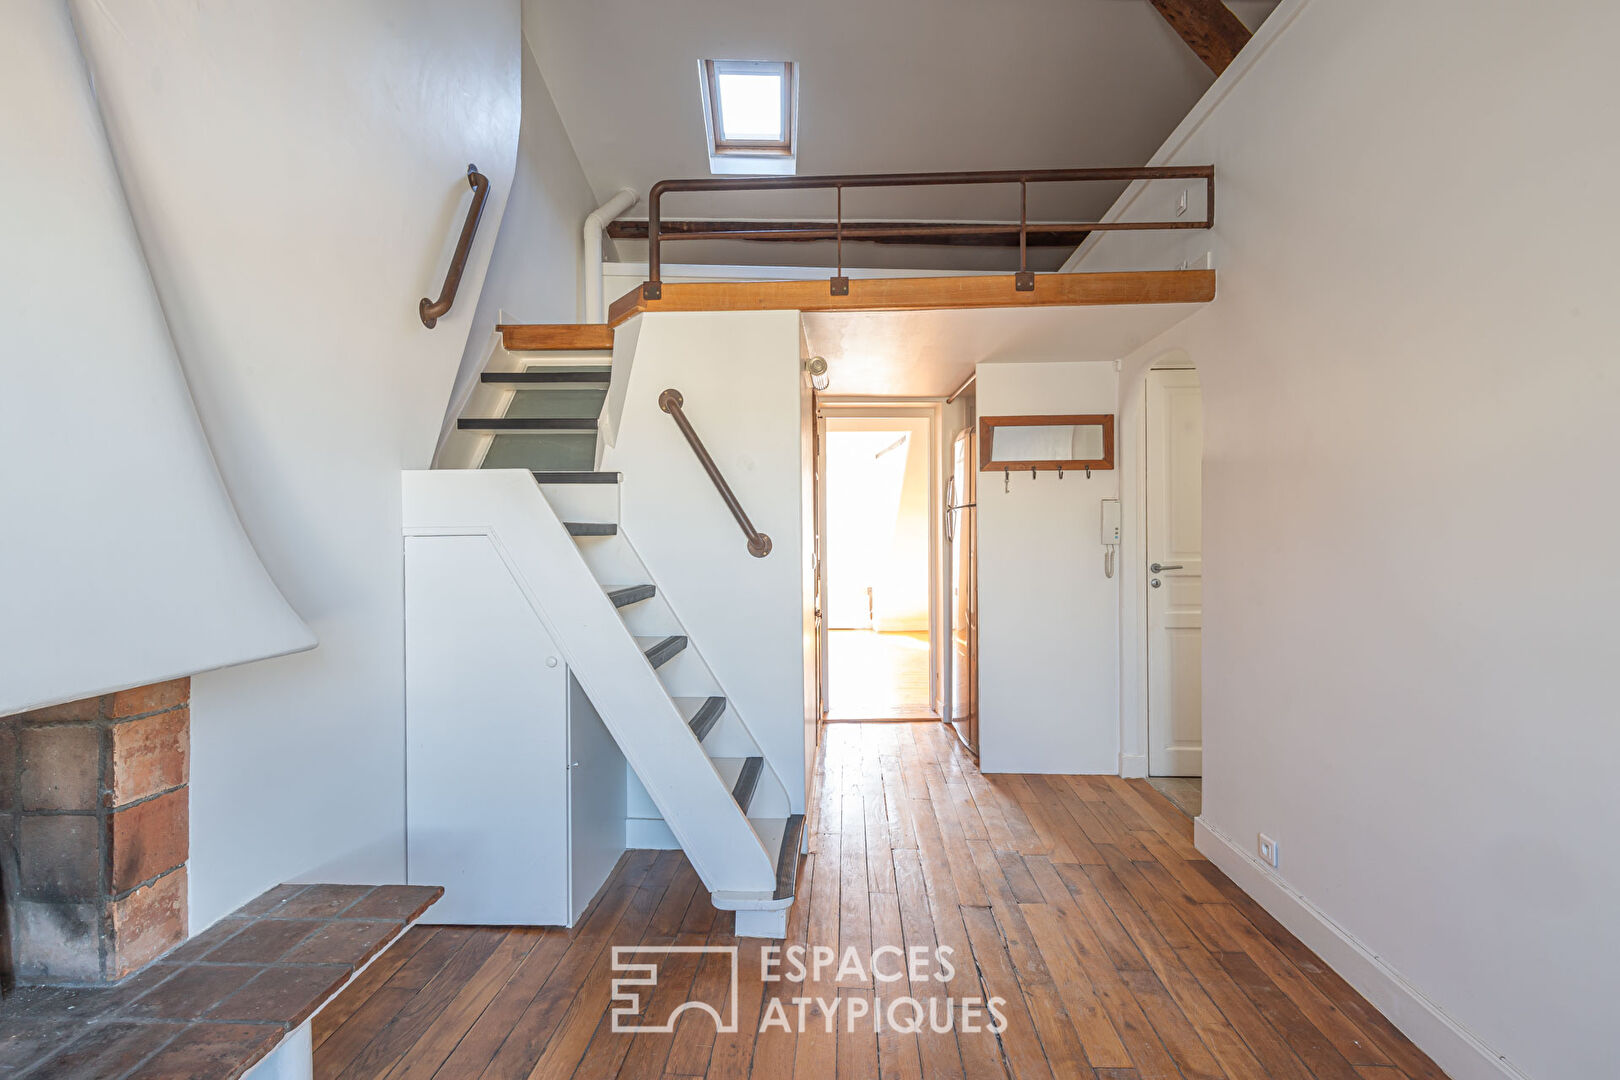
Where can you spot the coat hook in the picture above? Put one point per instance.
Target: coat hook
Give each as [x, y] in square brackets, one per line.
[1032, 474]
[1088, 472]
[1060, 472]
[1006, 479]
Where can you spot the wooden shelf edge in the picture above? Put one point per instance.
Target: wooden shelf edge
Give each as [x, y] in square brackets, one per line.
[555, 337]
[926, 294]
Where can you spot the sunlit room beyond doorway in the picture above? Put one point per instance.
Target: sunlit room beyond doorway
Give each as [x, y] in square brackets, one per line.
[879, 656]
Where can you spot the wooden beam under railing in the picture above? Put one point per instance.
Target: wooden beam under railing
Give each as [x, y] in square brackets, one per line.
[925, 294]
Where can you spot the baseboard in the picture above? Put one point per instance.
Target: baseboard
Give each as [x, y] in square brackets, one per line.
[649, 833]
[1453, 1047]
[1132, 766]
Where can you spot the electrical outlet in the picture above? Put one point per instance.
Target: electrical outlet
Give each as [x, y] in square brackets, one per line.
[1181, 203]
[1268, 850]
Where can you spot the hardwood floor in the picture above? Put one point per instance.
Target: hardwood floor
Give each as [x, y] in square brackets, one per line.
[1120, 952]
[877, 676]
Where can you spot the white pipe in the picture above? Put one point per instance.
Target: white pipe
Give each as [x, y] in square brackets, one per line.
[595, 222]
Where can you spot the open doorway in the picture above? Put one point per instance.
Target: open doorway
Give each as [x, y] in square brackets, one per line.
[877, 553]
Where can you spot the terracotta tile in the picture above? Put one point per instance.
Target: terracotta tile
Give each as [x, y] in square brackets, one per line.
[345, 941]
[108, 1049]
[195, 947]
[211, 1051]
[148, 699]
[26, 1039]
[147, 923]
[69, 712]
[8, 766]
[148, 839]
[269, 900]
[149, 755]
[282, 994]
[79, 1004]
[141, 982]
[263, 941]
[403, 902]
[192, 991]
[320, 901]
[61, 767]
[58, 857]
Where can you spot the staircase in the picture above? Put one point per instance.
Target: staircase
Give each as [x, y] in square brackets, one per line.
[691, 749]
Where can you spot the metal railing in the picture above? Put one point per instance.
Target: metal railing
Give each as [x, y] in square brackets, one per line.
[432, 310]
[759, 545]
[652, 289]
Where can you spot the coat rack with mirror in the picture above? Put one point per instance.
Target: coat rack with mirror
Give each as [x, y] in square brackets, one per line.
[1077, 442]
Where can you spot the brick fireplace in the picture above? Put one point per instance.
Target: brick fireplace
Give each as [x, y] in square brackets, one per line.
[94, 835]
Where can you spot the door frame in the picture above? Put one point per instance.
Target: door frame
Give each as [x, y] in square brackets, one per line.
[1131, 448]
[866, 408]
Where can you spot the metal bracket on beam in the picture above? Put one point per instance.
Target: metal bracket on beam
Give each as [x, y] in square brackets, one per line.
[1024, 281]
[652, 290]
[840, 286]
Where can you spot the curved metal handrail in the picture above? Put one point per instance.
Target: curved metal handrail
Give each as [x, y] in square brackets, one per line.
[433, 310]
[759, 545]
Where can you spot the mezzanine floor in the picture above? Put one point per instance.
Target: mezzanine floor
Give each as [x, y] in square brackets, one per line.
[1120, 952]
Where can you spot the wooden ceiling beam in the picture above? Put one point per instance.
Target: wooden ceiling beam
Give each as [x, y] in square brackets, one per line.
[933, 233]
[1208, 27]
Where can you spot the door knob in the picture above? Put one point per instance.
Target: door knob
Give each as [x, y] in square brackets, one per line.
[1159, 568]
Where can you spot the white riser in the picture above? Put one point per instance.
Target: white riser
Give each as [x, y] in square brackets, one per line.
[687, 676]
[582, 502]
[729, 738]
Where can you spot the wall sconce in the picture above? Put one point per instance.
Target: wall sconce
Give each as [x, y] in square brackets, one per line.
[816, 367]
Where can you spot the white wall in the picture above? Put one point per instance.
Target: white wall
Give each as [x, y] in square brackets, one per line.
[1409, 638]
[1048, 618]
[534, 273]
[297, 176]
[739, 374]
[122, 561]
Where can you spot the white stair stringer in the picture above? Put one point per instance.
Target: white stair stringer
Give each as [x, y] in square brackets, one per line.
[724, 847]
[689, 679]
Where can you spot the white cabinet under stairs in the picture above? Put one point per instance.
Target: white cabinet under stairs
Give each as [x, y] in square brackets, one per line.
[577, 577]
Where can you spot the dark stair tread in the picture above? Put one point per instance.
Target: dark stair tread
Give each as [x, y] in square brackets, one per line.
[787, 859]
[527, 423]
[664, 649]
[531, 378]
[747, 781]
[707, 715]
[591, 528]
[631, 594]
[542, 476]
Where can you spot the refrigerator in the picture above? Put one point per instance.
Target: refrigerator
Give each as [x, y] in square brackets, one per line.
[961, 513]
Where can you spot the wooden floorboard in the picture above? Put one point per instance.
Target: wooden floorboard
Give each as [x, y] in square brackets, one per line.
[1121, 953]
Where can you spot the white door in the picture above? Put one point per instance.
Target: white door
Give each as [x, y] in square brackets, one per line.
[486, 760]
[1175, 452]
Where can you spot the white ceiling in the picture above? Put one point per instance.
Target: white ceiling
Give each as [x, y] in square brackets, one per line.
[930, 353]
[884, 86]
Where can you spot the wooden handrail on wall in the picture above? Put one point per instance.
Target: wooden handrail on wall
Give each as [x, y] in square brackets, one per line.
[759, 545]
[433, 310]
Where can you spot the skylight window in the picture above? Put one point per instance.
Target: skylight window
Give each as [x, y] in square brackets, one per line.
[749, 111]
